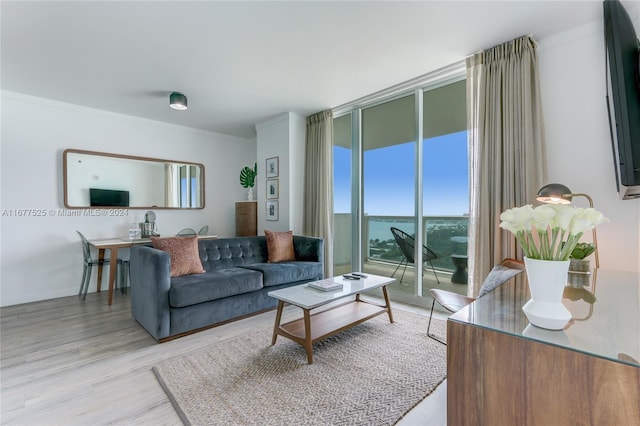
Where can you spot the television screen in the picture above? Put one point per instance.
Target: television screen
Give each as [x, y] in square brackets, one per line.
[108, 198]
[623, 92]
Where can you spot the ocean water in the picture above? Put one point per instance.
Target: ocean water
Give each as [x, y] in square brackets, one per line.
[380, 228]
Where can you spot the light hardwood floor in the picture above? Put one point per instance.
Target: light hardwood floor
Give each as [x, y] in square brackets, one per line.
[71, 362]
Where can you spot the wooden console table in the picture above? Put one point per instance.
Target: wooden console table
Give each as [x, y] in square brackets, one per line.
[503, 371]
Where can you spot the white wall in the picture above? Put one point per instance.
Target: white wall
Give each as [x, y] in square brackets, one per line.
[283, 137]
[41, 257]
[573, 85]
[297, 152]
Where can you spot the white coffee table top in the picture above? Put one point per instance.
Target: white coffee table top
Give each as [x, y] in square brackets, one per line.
[308, 298]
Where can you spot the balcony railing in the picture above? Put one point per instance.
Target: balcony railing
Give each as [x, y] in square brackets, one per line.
[445, 235]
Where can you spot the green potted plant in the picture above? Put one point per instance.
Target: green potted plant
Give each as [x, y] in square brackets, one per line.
[579, 267]
[578, 257]
[248, 179]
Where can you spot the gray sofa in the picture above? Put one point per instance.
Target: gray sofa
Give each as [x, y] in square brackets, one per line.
[235, 284]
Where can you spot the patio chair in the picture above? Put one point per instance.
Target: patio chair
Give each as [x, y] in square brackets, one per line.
[453, 302]
[407, 243]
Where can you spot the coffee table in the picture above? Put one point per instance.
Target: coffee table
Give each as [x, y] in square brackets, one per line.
[321, 324]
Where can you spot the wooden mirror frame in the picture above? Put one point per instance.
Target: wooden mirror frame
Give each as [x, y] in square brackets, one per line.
[69, 198]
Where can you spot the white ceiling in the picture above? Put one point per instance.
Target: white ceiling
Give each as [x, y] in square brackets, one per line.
[240, 63]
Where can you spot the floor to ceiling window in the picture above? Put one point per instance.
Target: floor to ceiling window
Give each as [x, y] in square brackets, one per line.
[445, 180]
[380, 170]
[189, 193]
[388, 187]
[342, 200]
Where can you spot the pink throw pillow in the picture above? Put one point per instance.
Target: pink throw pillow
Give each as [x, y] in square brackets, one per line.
[279, 246]
[183, 252]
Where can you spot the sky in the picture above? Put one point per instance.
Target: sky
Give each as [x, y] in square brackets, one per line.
[389, 178]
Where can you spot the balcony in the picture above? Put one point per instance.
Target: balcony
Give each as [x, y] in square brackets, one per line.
[445, 235]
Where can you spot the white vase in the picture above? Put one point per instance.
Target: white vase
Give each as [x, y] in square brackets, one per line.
[547, 279]
[250, 194]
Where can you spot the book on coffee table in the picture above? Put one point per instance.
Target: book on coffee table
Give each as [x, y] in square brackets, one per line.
[326, 285]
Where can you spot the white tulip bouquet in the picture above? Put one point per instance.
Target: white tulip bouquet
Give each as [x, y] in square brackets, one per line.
[549, 231]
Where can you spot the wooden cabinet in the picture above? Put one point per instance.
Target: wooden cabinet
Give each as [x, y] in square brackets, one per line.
[503, 371]
[246, 218]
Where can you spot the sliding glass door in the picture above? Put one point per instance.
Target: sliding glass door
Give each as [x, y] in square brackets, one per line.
[386, 178]
[342, 199]
[445, 183]
[388, 190]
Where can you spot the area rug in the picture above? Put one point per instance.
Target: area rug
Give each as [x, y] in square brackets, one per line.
[371, 374]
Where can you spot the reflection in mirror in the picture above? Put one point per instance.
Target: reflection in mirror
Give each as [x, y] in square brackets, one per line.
[98, 179]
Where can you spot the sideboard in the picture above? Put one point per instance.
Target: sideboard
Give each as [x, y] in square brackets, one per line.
[501, 370]
[246, 218]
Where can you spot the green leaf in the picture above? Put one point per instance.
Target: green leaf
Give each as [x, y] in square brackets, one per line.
[582, 250]
[248, 176]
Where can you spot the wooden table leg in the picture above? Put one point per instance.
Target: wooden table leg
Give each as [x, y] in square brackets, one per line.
[101, 259]
[307, 336]
[277, 324]
[113, 272]
[386, 301]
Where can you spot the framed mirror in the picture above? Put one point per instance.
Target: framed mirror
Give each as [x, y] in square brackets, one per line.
[100, 179]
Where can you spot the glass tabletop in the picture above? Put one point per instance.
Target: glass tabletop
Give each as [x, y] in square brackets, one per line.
[605, 311]
[308, 298]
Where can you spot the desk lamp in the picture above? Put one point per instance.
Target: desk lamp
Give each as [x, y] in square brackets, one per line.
[556, 193]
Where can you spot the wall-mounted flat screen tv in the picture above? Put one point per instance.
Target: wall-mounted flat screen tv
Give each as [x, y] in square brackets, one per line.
[108, 198]
[623, 93]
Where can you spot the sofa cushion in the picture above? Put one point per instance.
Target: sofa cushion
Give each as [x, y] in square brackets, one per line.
[192, 289]
[287, 272]
[229, 252]
[183, 252]
[279, 246]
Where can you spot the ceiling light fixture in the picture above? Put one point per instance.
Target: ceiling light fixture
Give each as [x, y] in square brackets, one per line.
[178, 101]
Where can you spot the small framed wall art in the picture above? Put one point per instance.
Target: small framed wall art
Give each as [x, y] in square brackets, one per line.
[271, 167]
[272, 189]
[272, 210]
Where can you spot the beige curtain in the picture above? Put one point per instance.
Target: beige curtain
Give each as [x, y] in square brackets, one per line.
[506, 148]
[171, 185]
[318, 193]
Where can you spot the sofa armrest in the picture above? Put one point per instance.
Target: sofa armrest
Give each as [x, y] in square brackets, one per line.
[150, 284]
[309, 249]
